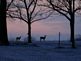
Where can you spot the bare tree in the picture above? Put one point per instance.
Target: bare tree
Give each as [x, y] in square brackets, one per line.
[68, 9]
[8, 4]
[29, 12]
[3, 25]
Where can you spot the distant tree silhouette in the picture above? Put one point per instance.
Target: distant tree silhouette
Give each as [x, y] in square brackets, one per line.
[67, 8]
[26, 10]
[3, 25]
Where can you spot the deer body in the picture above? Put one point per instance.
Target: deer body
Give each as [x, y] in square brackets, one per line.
[18, 38]
[43, 37]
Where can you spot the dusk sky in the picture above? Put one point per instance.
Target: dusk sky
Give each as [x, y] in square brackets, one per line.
[50, 27]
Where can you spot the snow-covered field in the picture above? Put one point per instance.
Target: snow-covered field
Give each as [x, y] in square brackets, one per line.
[41, 51]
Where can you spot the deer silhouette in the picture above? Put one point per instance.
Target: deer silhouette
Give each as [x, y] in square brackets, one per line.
[18, 38]
[43, 37]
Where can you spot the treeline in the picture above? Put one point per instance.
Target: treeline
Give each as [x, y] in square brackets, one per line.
[31, 11]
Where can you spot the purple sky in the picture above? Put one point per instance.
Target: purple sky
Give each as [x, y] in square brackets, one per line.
[50, 27]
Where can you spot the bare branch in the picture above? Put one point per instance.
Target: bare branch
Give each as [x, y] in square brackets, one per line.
[30, 3]
[57, 7]
[43, 17]
[33, 8]
[79, 8]
[8, 5]
[11, 16]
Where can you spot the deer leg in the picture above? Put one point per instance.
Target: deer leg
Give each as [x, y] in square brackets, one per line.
[40, 39]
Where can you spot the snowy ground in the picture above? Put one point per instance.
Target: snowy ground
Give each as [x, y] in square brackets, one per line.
[41, 51]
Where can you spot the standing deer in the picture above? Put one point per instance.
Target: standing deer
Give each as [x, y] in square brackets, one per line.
[43, 37]
[18, 38]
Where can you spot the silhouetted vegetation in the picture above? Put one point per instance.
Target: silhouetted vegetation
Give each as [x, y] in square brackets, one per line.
[28, 13]
[3, 25]
[67, 8]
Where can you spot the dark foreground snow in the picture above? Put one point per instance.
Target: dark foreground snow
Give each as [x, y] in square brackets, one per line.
[44, 51]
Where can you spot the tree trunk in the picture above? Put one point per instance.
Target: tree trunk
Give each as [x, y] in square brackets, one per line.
[3, 25]
[29, 33]
[72, 39]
